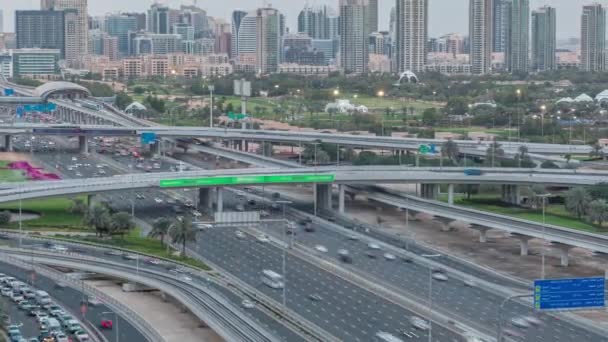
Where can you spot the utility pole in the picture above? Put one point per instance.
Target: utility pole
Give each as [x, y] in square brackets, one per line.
[211, 89]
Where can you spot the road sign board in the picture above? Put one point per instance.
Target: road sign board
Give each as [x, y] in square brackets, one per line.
[20, 111]
[9, 92]
[427, 149]
[247, 180]
[577, 293]
[239, 116]
[148, 138]
[242, 88]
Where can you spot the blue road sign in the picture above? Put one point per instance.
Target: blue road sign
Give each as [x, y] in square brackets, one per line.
[577, 293]
[148, 138]
[20, 111]
[9, 92]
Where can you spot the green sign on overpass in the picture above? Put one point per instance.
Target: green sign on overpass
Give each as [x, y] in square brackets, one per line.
[247, 180]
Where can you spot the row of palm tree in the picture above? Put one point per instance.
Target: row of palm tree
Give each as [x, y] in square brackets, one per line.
[104, 222]
[181, 231]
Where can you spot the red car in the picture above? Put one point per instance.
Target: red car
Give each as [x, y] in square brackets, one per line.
[106, 324]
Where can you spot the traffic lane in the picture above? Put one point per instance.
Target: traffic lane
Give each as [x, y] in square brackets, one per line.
[71, 299]
[346, 311]
[27, 324]
[469, 302]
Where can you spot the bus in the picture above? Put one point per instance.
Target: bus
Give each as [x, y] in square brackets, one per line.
[382, 336]
[272, 279]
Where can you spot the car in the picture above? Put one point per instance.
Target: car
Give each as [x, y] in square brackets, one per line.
[29, 294]
[128, 256]
[106, 323]
[64, 318]
[248, 304]
[373, 246]
[389, 256]
[41, 316]
[72, 326]
[512, 333]
[371, 255]
[251, 202]
[153, 261]
[239, 207]
[353, 238]
[158, 200]
[81, 336]
[93, 301]
[61, 337]
[315, 297]
[25, 305]
[520, 322]
[185, 278]
[239, 234]
[6, 291]
[440, 276]
[419, 323]
[262, 238]
[16, 297]
[470, 283]
[533, 320]
[344, 256]
[321, 248]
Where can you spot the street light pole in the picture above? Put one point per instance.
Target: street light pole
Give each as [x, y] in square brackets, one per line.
[500, 313]
[284, 261]
[544, 198]
[431, 296]
[211, 89]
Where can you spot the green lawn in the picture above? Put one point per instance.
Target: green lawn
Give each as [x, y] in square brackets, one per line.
[53, 213]
[145, 245]
[10, 175]
[555, 213]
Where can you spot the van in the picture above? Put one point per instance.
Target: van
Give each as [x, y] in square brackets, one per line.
[42, 298]
[53, 324]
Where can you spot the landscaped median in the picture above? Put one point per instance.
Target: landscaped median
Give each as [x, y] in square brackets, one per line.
[52, 215]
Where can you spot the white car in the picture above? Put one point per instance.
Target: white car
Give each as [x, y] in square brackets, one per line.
[81, 336]
[59, 248]
[263, 238]
[6, 291]
[520, 322]
[470, 283]
[240, 234]
[158, 200]
[247, 304]
[374, 246]
[321, 248]
[440, 276]
[419, 323]
[535, 321]
[389, 256]
[61, 337]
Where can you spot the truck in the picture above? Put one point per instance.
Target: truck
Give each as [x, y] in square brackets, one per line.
[53, 325]
[472, 172]
[42, 298]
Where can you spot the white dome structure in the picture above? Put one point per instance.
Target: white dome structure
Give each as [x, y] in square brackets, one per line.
[408, 77]
[565, 100]
[583, 98]
[603, 96]
[135, 107]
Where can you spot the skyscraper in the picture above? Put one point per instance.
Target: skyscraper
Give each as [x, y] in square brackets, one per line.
[593, 38]
[119, 25]
[373, 16]
[40, 29]
[158, 19]
[480, 35]
[76, 26]
[314, 22]
[237, 17]
[518, 36]
[499, 25]
[354, 34]
[268, 50]
[543, 39]
[1, 21]
[411, 34]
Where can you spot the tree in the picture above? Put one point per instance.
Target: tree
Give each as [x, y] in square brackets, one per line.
[78, 207]
[182, 231]
[123, 100]
[98, 218]
[430, 117]
[160, 229]
[121, 222]
[322, 157]
[599, 191]
[577, 201]
[493, 153]
[598, 212]
[536, 200]
[5, 217]
[450, 150]
[597, 151]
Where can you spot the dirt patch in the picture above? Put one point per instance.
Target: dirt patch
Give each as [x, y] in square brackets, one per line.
[16, 157]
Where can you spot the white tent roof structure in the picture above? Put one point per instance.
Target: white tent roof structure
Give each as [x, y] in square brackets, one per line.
[583, 98]
[603, 96]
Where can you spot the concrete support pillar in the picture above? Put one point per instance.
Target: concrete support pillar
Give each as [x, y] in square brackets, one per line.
[323, 196]
[564, 251]
[83, 144]
[8, 143]
[429, 191]
[451, 194]
[156, 148]
[90, 199]
[511, 194]
[483, 232]
[523, 243]
[219, 199]
[341, 198]
[246, 145]
[205, 200]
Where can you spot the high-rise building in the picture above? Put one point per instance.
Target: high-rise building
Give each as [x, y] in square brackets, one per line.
[517, 48]
[354, 33]
[155, 43]
[140, 19]
[195, 17]
[372, 14]
[158, 19]
[1, 21]
[412, 34]
[480, 35]
[314, 21]
[333, 27]
[95, 44]
[247, 35]
[593, 38]
[186, 31]
[378, 43]
[40, 29]
[76, 26]
[36, 63]
[499, 25]
[119, 25]
[237, 17]
[269, 31]
[543, 39]
[110, 47]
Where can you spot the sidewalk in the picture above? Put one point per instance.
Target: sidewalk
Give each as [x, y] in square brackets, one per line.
[168, 319]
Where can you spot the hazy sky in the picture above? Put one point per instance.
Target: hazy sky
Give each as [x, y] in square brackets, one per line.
[445, 15]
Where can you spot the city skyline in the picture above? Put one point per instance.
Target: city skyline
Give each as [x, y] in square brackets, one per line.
[441, 12]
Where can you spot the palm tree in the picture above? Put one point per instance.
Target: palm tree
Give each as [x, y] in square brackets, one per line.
[160, 228]
[121, 222]
[450, 150]
[98, 218]
[577, 201]
[78, 206]
[597, 151]
[598, 211]
[494, 151]
[183, 231]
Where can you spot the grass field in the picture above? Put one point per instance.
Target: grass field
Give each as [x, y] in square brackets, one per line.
[10, 175]
[555, 213]
[53, 213]
[146, 245]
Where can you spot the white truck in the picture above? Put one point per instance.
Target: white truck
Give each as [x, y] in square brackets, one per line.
[42, 298]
